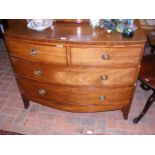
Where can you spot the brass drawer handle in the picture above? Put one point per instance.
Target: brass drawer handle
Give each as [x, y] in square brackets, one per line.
[37, 72]
[42, 91]
[105, 56]
[104, 77]
[34, 52]
[102, 97]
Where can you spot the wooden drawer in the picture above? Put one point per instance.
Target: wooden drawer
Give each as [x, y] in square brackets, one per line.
[77, 108]
[106, 56]
[40, 53]
[75, 76]
[75, 95]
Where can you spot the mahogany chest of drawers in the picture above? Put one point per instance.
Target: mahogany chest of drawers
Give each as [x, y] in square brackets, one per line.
[74, 68]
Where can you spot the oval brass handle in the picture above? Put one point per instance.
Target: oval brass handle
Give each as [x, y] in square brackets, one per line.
[104, 77]
[37, 72]
[34, 52]
[105, 56]
[102, 97]
[42, 91]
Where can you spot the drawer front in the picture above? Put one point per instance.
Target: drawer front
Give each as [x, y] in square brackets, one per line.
[75, 76]
[75, 95]
[106, 56]
[77, 108]
[40, 53]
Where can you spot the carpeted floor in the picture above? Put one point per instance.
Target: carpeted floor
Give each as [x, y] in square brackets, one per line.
[39, 119]
[3, 132]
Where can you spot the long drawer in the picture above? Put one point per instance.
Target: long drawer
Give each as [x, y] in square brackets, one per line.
[37, 53]
[77, 108]
[75, 95]
[106, 56]
[75, 76]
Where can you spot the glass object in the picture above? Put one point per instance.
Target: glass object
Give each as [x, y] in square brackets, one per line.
[108, 25]
[128, 32]
[120, 28]
[94, 23]
[39, 24]
[130, 24]
[120, 21]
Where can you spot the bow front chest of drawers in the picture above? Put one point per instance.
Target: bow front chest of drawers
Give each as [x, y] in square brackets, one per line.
[74, 68]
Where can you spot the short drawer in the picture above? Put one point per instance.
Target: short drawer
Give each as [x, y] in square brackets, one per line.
[75, 76]
[75, 95]
[106, 56]
[35, 52]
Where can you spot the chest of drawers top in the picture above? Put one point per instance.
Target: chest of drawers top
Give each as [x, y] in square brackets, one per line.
[73, 33]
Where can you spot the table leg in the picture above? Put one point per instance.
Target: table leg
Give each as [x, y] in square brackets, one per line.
[144, 87]
[147, 106]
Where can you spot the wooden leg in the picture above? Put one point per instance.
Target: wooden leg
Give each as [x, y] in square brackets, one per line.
[144, 87]
[125, 112]
[152, 49]
[25, 101]
[147, 106]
